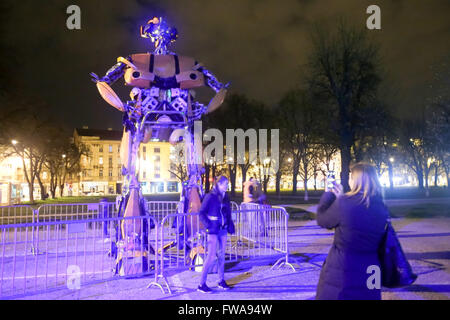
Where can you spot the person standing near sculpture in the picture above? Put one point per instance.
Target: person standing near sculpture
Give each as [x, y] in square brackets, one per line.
[215, 213]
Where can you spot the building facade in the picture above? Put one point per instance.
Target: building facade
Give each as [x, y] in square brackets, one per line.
[101, 171]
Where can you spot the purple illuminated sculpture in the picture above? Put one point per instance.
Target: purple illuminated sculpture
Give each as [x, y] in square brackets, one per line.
[162, 104]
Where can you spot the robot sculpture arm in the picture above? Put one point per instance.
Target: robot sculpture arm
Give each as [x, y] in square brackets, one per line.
[114, 73]
[220, 88]
[211, 80]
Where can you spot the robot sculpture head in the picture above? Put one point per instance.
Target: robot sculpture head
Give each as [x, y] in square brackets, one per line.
[160, 33]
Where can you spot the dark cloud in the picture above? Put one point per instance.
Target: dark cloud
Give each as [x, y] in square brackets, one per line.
[257, 45]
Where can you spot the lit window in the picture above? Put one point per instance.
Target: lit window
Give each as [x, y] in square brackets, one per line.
[110, 148]
[100, 160]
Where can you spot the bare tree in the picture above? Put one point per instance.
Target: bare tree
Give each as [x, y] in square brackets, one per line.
[343, 72]
[300, 132]
[417, 148]
[22, 129]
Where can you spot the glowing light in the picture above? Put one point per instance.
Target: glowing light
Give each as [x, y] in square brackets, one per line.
[14, 142]
[391, 159]
[289, 160]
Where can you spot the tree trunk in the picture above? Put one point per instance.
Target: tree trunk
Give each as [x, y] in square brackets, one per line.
[53, 185]
[213, 172]
[232, 170]
[345, 166]
[419, 175]
[244, 170]
[53, 192]
[277, 183]
[391, 176]
[435, 176]
[294, 180]
[42, 188]
[305, 179]
[30, 190]
[446, 174]
[427, 189]
[315, 179]
[305, 185]
[61, 190]
[207, 183]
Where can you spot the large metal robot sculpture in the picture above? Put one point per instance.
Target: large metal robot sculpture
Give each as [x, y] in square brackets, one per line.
[162, 104]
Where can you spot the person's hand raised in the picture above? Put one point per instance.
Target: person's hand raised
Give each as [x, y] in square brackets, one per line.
[338, 190]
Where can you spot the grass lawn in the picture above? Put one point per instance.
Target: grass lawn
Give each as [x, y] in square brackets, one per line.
[429, 210]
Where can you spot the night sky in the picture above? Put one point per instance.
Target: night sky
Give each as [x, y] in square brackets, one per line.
[259, 46]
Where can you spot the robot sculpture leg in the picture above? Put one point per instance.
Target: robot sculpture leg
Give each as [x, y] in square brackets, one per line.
[132, 236]
[191, 200]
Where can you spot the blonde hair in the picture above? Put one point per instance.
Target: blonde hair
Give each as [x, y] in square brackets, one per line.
[365, 182]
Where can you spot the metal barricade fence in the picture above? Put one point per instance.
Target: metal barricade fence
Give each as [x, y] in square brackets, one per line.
[82, 211]
[262, 229]
[177, 242]
[183, 245]
[160, 209]
[16, 214]
[77, 211]
[180, 250]
[73, 253]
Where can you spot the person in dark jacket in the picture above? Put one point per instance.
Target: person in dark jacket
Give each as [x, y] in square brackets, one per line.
[215, 213]
[359, 218]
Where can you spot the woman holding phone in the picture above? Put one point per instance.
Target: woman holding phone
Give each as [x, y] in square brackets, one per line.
[359, 218]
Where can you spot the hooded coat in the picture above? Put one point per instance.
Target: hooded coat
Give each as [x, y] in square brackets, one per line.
[357, 238]
[215, 213]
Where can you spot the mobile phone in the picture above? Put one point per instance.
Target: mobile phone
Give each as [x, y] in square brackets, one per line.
[331, 179]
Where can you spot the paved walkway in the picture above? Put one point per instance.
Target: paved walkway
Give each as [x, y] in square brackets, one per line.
[426, 242]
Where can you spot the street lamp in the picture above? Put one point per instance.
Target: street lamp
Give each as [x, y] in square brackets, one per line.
[14, 142]
[391, 159]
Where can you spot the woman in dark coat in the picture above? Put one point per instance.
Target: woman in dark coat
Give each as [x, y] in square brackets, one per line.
[215, 214]
[359, 218]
